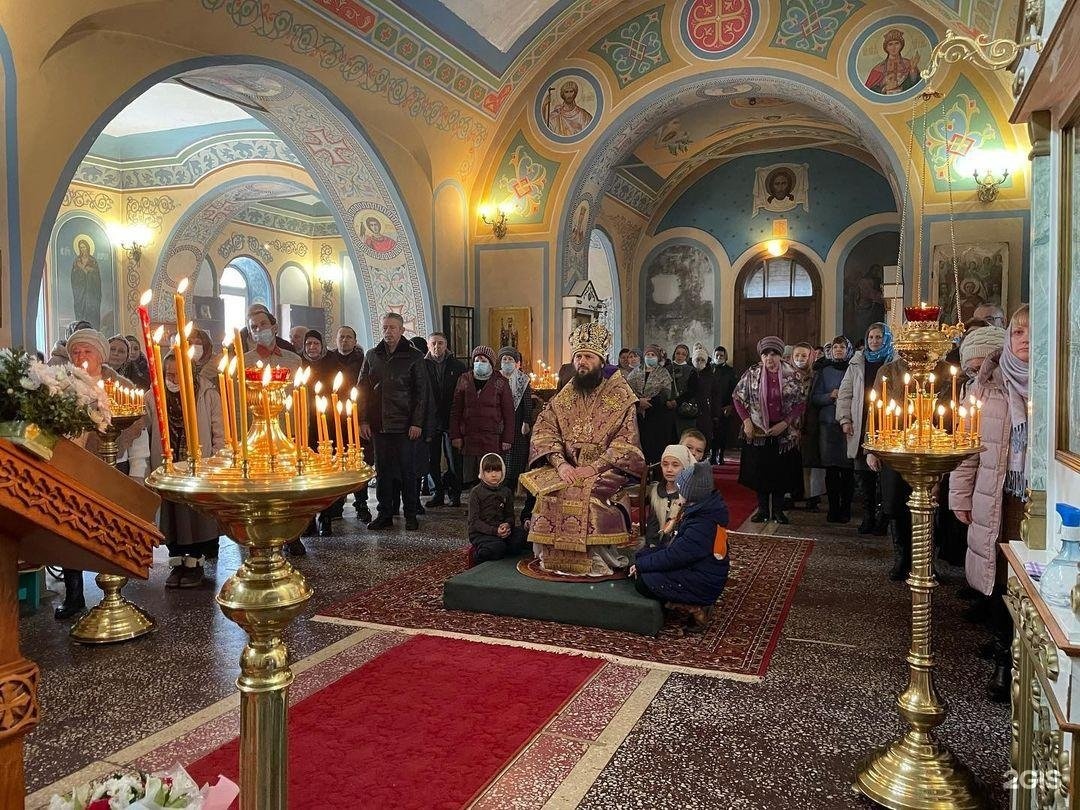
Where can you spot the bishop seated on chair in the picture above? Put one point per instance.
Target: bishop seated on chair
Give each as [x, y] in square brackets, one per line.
[584, 448]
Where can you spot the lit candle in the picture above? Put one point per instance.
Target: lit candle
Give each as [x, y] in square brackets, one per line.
[879, 422]
[963, 416]
[266, 377]
[351, 437]
[181, 367]
[884, 393]
[894, 415]
[231, 391]
[189, 374]
[241, 382]
[354, 396]
[320, 406]
[160, 405]
[222, 368]
[870, 415]
[978, 418]
[941, 417]
[337, 426]
[298, 381]
[336, 409]
[288, 405]
[953, 370]
[908, 416]
[907, 394]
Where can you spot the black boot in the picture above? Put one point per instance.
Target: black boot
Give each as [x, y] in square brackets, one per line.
[868, 522]
[901, 553]
[762, 513]
[833, 515]
[1000, 687]
[74, 603]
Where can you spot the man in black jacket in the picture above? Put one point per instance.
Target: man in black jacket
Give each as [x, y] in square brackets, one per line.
[726, 379]
[443, 371]
[394, 397]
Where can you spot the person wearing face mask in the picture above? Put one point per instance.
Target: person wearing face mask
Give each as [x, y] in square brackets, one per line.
[709, 412]
[724, 428]
[851, 413]
[517, 458]
[832, 443]
[190, 536]
[656, 422]
[978, 344]
[684, 389]
[770, 398]
[988, 491]
[482, 417]
[262, 327]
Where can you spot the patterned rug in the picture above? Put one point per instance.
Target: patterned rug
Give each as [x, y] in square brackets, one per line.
[738, 642]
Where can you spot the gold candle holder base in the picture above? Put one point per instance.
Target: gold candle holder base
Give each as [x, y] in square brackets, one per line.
[917, 772]
[115, 619]
[264, 595]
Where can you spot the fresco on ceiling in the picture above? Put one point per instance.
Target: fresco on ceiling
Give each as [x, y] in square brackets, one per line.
[634, 48]
[811, 26]
[754, 102]
[523, 181]
[781, 187]
[378, 236]
[864, 275]
[569, 105]
[961, 124]
[581, 224]
[82, 277]
[679, 282]
[886, 58]
[714, 29]
[673, 137]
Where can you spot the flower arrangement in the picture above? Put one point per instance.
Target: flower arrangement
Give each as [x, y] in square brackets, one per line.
[58, 399]
[133, 790]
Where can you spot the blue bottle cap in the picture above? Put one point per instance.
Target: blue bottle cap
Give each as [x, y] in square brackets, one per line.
[1070, 515]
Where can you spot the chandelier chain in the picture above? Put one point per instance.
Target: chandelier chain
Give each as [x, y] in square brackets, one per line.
[952, 224]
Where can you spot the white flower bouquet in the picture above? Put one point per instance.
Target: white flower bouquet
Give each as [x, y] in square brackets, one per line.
[59, 399]
[173, 790]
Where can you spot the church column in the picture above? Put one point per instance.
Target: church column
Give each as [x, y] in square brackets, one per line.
[1033, 529]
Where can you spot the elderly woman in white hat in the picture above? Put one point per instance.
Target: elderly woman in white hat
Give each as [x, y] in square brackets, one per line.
[89, 350]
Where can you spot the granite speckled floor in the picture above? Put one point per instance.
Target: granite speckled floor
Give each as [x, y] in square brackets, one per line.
[679, 741]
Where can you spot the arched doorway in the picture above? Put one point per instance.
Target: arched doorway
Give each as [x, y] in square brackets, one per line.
[776, 296]
[604, 275]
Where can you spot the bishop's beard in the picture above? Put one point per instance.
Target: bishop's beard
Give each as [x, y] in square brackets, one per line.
[588, 381]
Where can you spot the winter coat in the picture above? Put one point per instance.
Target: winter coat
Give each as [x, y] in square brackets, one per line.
[685, 571]
[977, 485]
[443, 392]
[484, 419]
[832, 443]
[851, 403]
[809, 426]
[488, 508]
[348, 364]
[394, 388]
[710, 411]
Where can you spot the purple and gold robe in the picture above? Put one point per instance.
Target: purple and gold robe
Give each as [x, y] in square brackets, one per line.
[595, 430]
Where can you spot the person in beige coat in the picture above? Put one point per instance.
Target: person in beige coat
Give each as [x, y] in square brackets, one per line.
[988, 491]
[189, 535]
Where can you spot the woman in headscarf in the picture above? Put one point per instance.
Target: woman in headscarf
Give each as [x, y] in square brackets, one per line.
[851, 414]
[684, 389]
[770, 398]
[517, 458]
[987, 492]
[832, 443]
[656, 422]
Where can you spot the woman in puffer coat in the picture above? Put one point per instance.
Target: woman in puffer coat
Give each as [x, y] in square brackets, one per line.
[482, 416]
[987, 492]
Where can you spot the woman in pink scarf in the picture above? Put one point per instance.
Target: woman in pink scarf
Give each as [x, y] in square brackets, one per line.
[770, 399]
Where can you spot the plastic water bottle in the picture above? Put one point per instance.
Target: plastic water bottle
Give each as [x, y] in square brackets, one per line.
[1060, 575]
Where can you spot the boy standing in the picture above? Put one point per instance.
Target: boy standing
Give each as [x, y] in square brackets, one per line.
[491, 515]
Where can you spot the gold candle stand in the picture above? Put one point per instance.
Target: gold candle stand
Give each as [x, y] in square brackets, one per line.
[114, 619]
[262, 505]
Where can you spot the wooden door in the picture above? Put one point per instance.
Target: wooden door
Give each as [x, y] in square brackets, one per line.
[775, 297]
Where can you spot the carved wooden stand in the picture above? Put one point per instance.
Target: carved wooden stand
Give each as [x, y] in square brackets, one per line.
[48, 515]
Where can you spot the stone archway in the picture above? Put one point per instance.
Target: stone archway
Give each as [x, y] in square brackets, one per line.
[625, 132]
[331, 145]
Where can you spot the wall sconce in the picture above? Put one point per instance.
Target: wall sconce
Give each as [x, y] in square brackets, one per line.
[132, 239]
[778, 245]
[327, 275]
[988, 184]
[495, 217]
[990, 168]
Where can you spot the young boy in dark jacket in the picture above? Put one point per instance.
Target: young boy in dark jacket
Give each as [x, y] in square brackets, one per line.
[492, 534]
[693, 569]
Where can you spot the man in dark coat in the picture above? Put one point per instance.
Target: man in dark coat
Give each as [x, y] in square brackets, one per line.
[725, 381]
[349, 357]
[443, 372]
[394, 397]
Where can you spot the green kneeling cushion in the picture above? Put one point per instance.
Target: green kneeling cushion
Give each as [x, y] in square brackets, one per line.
[497, 587]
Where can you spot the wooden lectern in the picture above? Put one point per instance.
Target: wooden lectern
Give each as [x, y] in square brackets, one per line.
[74, 511]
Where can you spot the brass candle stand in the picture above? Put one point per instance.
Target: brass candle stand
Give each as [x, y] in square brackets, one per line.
[263, 495]
[114, 619]
[918, 772]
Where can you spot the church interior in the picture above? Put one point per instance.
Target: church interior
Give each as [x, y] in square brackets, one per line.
[554, 181]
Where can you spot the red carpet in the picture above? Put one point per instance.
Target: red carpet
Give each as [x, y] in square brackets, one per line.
[427, 724]
[741, 501]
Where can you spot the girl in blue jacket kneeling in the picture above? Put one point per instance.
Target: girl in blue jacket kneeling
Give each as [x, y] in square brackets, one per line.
[692, 570]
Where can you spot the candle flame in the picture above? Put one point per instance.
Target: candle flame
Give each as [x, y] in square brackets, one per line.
[354, 395]
[963, 412]
[144, 299]
[267, 375]
[159, 333]
[232, 366]
[181, 288]
[893, 405]
[318, 387]
[953, 370]
[191, 353]
[932, 379]
[86, 366]
[258, 364]
[873, 395]
[340, 407]
[339, 378]
[941, 410]
[348, 407]
[320, 404]
[907, 379]
[971, 400]
[288, 403]
[187, 329]
[100, 383]
[298, 378]
[223, 366]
